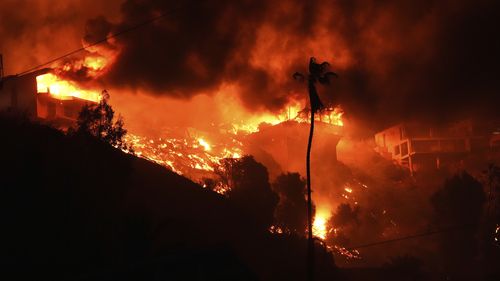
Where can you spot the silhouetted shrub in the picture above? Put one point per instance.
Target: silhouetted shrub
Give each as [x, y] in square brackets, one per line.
[291, 212]
[96, 119]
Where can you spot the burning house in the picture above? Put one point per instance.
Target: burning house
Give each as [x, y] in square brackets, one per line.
[420, 147]
[282, 147]
[20, 92]
[39, 95]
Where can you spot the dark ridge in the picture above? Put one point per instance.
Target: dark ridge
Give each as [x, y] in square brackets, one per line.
[74, 208]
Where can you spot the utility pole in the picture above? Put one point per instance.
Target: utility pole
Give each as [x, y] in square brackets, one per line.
[1, 67]
[1, 71]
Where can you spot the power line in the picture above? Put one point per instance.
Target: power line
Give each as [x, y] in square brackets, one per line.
[119, 33]
[411, 236]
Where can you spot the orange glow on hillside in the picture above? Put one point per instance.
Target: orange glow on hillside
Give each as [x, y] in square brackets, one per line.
[186, 156]
[193, 155]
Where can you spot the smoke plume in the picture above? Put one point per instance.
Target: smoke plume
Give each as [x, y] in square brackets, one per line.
[397, 60]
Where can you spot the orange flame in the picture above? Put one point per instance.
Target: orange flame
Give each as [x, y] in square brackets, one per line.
[320, 222]
[294, 111]
[178, 154]
[62, 89]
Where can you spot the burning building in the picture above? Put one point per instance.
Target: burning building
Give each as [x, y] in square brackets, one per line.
[282, 147]
[40, 95]
[420, 147]
[20, 92]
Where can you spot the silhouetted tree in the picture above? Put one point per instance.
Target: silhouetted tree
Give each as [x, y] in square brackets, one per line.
[96, 119]
[459, 203]
[317, 73]
[345, 215]
[344, 219]
[249, 188]
[226, 172]
[492, 175]
[291, 215]
[489, 237]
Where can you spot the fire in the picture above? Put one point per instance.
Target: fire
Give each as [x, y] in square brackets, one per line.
[333, 115]
[58, 87]
[349, 254]
[251, 125]
[178, 154]
[198, 152]
[293, 111]
[189, 156]
[92, 65]
[95, 63]
[497, 234]
[184, 154]
[205, 144]
[63, 89]
[320, 224]
[193, 156]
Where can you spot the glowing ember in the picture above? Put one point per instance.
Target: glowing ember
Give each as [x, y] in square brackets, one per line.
[497, 234]
[63, 89]
[275, 229]
[349, 254]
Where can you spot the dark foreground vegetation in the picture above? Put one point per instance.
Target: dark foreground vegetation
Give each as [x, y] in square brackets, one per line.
[75, 208]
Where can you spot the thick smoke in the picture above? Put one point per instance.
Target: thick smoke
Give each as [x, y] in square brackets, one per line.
[396, 59]
[33, 32]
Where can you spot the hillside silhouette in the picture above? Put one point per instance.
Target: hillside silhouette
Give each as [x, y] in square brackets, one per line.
[76, 208]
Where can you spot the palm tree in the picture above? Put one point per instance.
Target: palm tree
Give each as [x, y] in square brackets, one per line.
[317, 73]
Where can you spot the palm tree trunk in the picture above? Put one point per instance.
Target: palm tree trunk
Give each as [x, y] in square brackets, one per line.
[310, 248]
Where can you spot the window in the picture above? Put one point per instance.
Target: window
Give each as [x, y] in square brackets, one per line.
[397, 150]
[404, 149]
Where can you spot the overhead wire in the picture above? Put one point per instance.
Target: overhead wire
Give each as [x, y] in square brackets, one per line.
[111, 36]
[448, 229]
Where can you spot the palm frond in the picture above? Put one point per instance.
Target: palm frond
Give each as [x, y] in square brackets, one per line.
[325, 79]
[332, 74]
[324, 66]
[298, 76]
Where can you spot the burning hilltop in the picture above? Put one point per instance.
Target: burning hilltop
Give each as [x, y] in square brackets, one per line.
[190, 151]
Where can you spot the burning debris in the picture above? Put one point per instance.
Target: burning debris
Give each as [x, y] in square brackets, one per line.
[190, 156]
